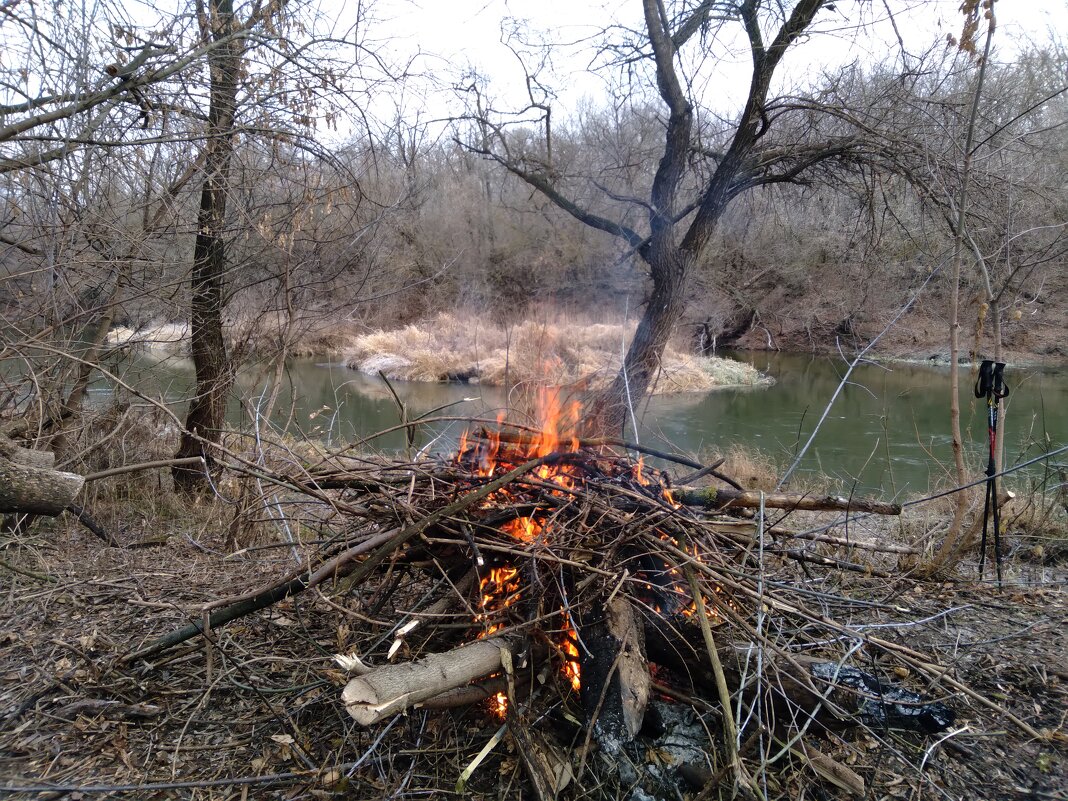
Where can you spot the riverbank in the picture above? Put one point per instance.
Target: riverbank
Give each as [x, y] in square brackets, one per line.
[580, 355]
[920, 337]
[469, 346]
[559, 353]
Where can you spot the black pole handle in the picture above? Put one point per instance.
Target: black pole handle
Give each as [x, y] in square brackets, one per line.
[991, 380]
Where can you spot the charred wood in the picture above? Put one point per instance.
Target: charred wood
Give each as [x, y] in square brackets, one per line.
[615, 673]
[803, 687]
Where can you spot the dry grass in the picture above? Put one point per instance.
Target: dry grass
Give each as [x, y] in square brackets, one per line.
[753, 469]
[559, 353]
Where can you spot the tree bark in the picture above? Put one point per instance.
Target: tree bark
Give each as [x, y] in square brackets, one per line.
[949, 552]
[394, 688]
[670, 259]
[36, 490]
[214, 372]
[24, 456]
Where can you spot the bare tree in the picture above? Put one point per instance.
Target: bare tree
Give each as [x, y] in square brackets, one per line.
[698, 173]
[214, 371]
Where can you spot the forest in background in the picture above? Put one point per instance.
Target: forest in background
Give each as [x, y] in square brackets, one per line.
[329, 234]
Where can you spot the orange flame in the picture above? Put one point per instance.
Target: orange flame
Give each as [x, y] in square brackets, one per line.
[500, 587]
[554, 418]
[572, 668]
[499, 706]
[637, 471]
[524, 529]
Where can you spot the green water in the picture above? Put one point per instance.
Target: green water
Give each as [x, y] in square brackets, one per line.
[888, 431]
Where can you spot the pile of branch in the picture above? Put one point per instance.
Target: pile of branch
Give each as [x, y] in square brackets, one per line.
[545, 578]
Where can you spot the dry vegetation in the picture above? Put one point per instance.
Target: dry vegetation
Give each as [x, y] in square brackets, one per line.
[560, 352]
[109, 174]
[583, 355]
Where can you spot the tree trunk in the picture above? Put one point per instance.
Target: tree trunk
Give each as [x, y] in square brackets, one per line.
[613, 408]
[668, 257]
[949, 552]
[214, 372]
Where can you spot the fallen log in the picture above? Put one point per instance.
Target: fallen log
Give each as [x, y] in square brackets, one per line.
[479, 691]
[392, 689]
[715, 498]
[26, 489]
[14, 452]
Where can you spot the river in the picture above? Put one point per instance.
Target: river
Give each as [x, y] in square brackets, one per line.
[888, 431]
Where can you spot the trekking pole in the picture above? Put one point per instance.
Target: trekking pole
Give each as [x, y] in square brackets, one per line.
[991, 385]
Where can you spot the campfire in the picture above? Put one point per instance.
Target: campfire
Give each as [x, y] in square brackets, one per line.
[591, 603]
[584, 581]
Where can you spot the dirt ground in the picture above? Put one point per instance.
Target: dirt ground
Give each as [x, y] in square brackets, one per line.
[256, 713]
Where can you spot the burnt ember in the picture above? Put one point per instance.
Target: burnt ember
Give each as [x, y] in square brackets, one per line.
[883, 704]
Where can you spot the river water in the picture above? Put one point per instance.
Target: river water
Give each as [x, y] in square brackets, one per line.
[888, 431]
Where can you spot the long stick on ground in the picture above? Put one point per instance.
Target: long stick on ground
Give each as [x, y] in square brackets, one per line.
[712, 498]
[730, 733]
[387, 542]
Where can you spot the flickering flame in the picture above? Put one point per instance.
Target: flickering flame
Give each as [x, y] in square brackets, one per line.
[572, 668]
[499, 589]
[524, 529]
[637, 469]
[489, 455]
[553, 417]
[499, 706]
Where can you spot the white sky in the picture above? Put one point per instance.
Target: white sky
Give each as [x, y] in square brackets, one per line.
[446, 36]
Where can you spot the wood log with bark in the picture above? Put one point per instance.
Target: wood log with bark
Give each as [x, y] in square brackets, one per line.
[389, 690]
[30, 485]
[718, 498]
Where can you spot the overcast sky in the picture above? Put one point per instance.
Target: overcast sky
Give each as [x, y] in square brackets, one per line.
[447, 36]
